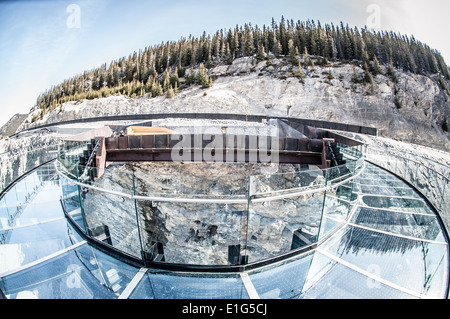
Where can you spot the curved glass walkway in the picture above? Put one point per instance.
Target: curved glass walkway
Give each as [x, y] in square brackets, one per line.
[392, 246]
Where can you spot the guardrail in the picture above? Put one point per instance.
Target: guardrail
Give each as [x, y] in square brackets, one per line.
[16, 164]
[295, 122]
[209, 220]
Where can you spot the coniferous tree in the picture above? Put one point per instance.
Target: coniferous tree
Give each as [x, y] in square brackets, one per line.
[202, 77]
[190, 79]
[355, 77]
[165, 81]
[284, 39]
[157, 89]
[301, 74]
[228, 55]
[306, 57]
[330, 75]
[391, 72]
[292, 52]
[170, 92]
[174, 80]
[261, 53]
[248, 42]
[376, 68]
[367, 76]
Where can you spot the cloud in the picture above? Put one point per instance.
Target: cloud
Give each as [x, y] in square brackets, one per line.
[425, 20]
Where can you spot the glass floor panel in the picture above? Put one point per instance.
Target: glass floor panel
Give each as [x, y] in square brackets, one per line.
[282, 280]
[80, 273]
[173, 285]
[396, 259]
[23, 245]
[381, 182]
[388, 191]
[396, 203]
[328, 279]
[424, 227]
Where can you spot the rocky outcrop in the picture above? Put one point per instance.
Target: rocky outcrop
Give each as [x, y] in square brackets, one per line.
[251, 87]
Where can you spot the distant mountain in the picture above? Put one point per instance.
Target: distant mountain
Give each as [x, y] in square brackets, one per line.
[11, 126]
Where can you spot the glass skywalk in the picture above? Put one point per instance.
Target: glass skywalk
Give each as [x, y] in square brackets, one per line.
[390, 246]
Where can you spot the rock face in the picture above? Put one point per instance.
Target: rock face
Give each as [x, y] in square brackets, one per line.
[250, 87]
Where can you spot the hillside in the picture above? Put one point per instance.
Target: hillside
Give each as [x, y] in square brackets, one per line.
[410, 107]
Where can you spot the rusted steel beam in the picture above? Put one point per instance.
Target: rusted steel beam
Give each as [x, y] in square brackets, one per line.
[216, 148]
[246, 156]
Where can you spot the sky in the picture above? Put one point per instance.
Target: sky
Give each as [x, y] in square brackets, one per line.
[43, 43]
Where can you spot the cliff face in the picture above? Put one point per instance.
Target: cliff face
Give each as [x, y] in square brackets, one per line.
[250, 87]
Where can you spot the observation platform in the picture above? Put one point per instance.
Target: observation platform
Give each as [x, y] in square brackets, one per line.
[105, 220]
[390, 246]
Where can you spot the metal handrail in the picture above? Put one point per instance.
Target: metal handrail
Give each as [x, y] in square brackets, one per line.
[211, 200]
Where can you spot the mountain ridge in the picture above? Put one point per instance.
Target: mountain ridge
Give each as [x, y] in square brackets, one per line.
[412, 109]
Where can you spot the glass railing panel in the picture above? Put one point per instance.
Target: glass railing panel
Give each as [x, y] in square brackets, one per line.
[397, 259]
[71, 198]
[278, 225]
[193, 233]
[116, 178]
[405, 169]
[21, 190]
[432, 189]
[69, 154]
[4, 213]
[285, 183]
[24, 161]
[108, 271]
[445, 202]
[340, 196]
[30, 200]
[350, 152]
[10, 207]
[170, 285]
[282, 281]
[190, 180]
[337, 206]
[111, 219]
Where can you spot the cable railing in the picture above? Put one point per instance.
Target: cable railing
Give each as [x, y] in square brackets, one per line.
[192, 218]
